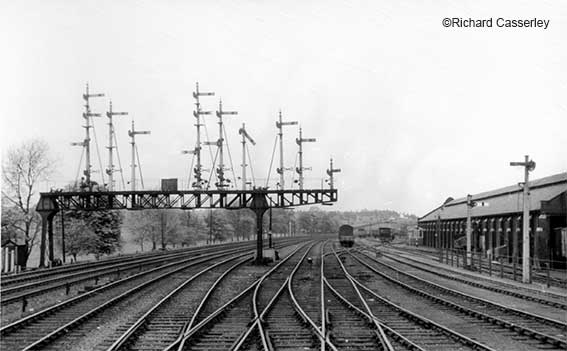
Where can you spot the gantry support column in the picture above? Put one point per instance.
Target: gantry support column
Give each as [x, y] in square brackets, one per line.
[259, 205]
[47, 208]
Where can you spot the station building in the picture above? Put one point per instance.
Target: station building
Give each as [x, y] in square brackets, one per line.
[497, 227]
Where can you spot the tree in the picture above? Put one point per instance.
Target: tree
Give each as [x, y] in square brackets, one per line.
[281, 219]
[142, 227]
[158, 226]
[92, 232]
[306, 221]
[219, 225]
[192, 229]
[243, 222]
[79, 237]
[23, 168]
[168, 227]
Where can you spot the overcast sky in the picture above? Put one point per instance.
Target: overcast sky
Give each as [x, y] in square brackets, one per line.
[412, 111]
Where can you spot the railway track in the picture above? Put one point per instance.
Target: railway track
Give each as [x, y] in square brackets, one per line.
[349, 327]
[166, 320]
[515, 325]
[47, 327]
[494, 268]
[315, 298]
[406, 329]
[10, 280]
[282, 324]
[49, 288]
[99, 274]
[229, 325]
[544, 298]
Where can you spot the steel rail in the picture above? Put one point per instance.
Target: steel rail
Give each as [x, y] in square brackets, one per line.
[268, 307]
[319, 331]
[322, 297]
[105, 271]
[454, 292]
[537, 275]
[65, 328]
[21, 322]
[406, 342]
[480, 285]
[414, 316]
[179, 343]
[191, 323]
[256, 323]
[128, 334]
[11, 279]
[524, 330]
[381, 335]
[487, 287]
[94, 273]
[426, 322]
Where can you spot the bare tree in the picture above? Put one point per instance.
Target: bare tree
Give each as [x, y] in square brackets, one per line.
[23, 168]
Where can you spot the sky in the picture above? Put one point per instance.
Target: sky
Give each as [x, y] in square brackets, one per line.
[411, 111]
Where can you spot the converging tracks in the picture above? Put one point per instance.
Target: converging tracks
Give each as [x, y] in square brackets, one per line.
[56, 323]
[318, 297]
[491, 323]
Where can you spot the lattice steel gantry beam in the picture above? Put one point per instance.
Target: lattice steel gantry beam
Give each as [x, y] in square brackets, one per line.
[257, 200]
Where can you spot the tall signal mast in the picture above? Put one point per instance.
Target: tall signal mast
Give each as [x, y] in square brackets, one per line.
[132, 133]
[86, 143]
[281, 169]
[222, 181]
[197, 113]
[111, 135]
[245, 135]
[330, 172]
[300, 169]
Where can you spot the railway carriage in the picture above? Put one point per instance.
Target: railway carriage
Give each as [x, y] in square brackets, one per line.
[346, 235]
[384, 234]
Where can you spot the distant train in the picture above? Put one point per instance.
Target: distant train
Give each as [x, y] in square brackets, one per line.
[384, 234]
[346, 235]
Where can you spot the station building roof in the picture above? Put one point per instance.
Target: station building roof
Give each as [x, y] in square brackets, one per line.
[507, 200]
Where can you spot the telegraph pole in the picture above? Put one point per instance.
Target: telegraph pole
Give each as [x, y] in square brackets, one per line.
[242, 131]
[300, 169]
[87, 142]
[279, 125]
[110, 170]
[330, 172]
[197, 113]
[132, 133]
[221, 184]
[529, 165]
